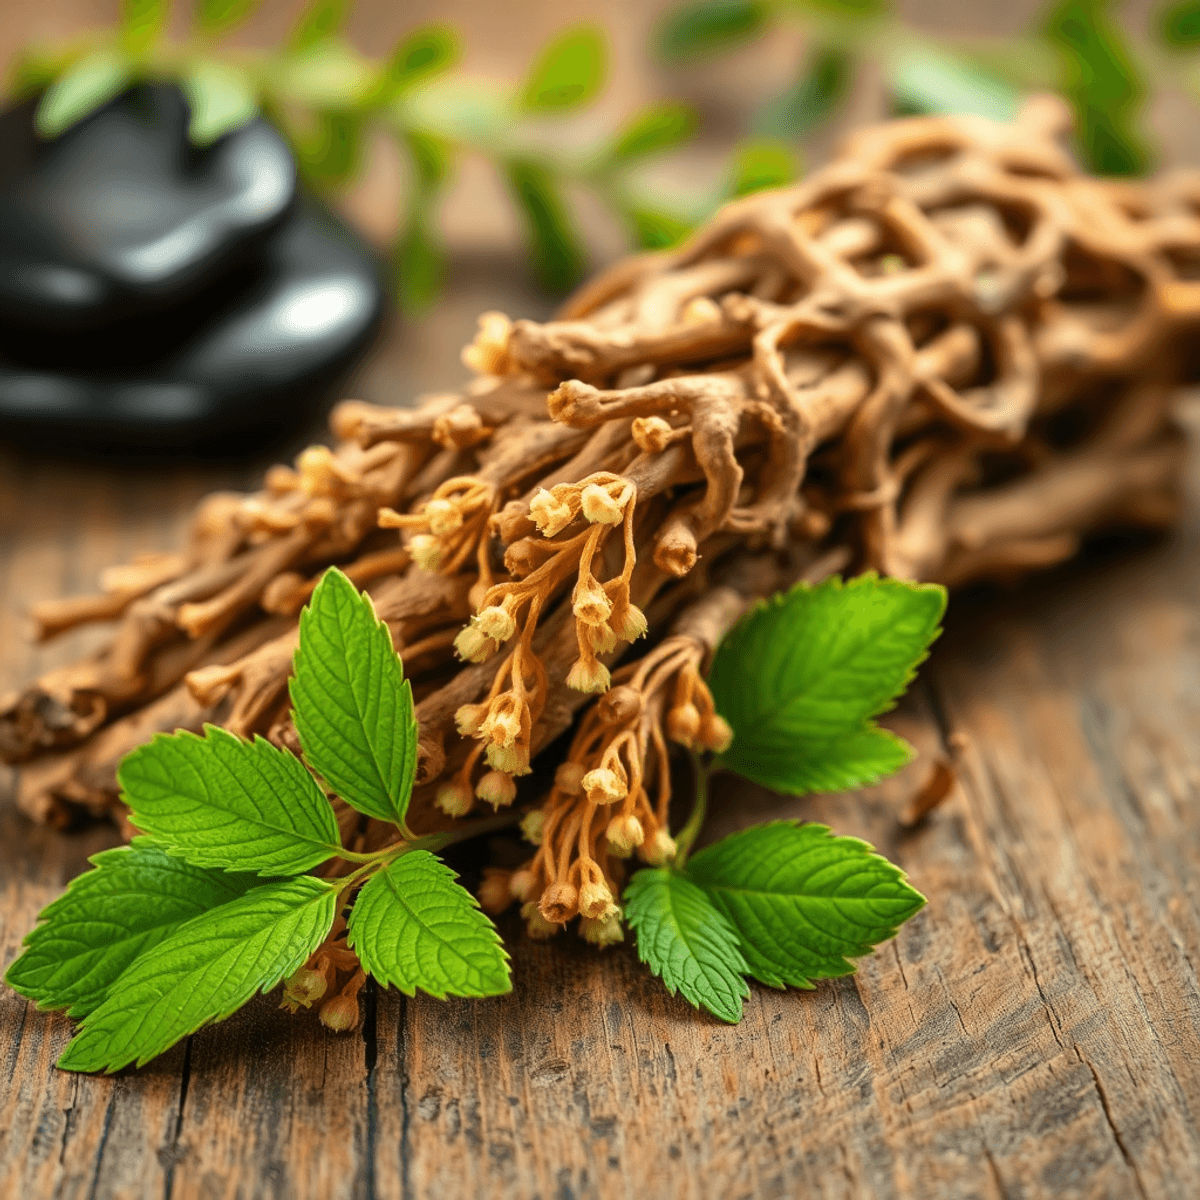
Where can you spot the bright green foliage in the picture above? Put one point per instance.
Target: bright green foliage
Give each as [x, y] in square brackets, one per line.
[136, 896]
[823, 83]
[353, 708]
[654, 229]
[81, 89]
[219, 16]
[329, 74]
[801, 676]
[420, 257]
[1103, 84]
[142, 22]
[925, 79]
[555, 246]
[654, 129]
[320, 21]
[218, 801]
[802, 901]
[568, 73]
[221, 99]
[706, 27]
[424, 53]
[413, 927]
[761, 165]
[686, 941]
[203, 972]
[1180, 24]
[330, 153]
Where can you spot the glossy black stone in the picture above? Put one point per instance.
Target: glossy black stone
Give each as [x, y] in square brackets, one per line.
[245, 357]
[121, 214]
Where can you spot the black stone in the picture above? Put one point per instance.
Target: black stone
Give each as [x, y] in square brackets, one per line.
[248, 356]
[122, 214]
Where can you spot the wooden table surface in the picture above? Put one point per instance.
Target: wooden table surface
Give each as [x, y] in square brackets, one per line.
[1034, 1032]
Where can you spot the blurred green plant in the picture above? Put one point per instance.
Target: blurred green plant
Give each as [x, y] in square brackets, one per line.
[332, 103]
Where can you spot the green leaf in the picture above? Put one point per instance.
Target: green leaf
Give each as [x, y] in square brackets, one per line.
[655, 228]
[330, 154]
[709, 26]
[86, 86]
[420, 267]
[761, 165]
[107, 917]
[352, 706]
[800, 677]
[34, 69]
[221, 98]
[142, 23]
[424, 53]
[217, 801]
[219, 16]
[849, 8]
[569, 72]
[558, 257]
[1180, 24]
[203, 972]
[413, 927]
[803, 901]
[654, 129]
[330, 74]
[1103, 83]
[925, 79]
[822, 86]
[320, 21]
[685, 941]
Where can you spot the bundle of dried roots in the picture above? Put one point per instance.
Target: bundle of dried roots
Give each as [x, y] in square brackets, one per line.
[947, 355]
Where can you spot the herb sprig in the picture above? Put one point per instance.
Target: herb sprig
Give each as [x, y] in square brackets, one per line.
[216, 901]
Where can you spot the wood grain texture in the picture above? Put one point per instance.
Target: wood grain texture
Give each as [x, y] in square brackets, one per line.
[1034, 1032]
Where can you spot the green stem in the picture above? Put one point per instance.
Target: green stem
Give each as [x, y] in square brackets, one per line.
[687, 835]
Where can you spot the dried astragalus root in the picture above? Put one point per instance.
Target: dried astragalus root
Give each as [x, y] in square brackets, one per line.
[948, 355]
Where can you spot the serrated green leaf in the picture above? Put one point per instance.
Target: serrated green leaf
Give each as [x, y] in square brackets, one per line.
[1102, 80]
[136, 896]
[142, 22]
[321, 20]
[803, 901]
[555, 246]
[203, 972]
[687, 942]
[925, 79]
[821, 87]
[352, 706]
[217, 801]
[221, 99]
[86, 86]
[420, 56]
[219, 16]
[413, 927]
[568, 73]
[709, 26]
[800, 677]
[1180, 24]
[761, 165]
[654, 129]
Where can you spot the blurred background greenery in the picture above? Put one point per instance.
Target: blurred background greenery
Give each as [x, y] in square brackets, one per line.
[601, 127]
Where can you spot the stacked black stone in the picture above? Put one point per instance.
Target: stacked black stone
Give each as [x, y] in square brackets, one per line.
[156, 294]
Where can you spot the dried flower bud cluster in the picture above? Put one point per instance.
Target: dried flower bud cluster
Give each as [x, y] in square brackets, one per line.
[947, 355]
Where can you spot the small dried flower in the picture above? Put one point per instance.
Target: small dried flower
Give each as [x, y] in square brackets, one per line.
[549, 514]
[596, 901]
[625, 834]
[683, 723]
[473, 645]
[599, 507]
[494, 893]
[588, 675]
[303, 989]
[533, 825]
[497, 789]
[629, 622]
[715, 733]
[601, 638]
[513, 760]
[536, 925]
[569, 778]
[559, 903]
[604, 786]
[700, 310]
[488, 353]
[606, 931]
[590, 604]
[651, 434]
[659, 850]
[497, 623]
[443, 517]
[454, 799]
[340, 1014]
[502, 726]
[620, 705]
[426, 551]
[469, 718]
